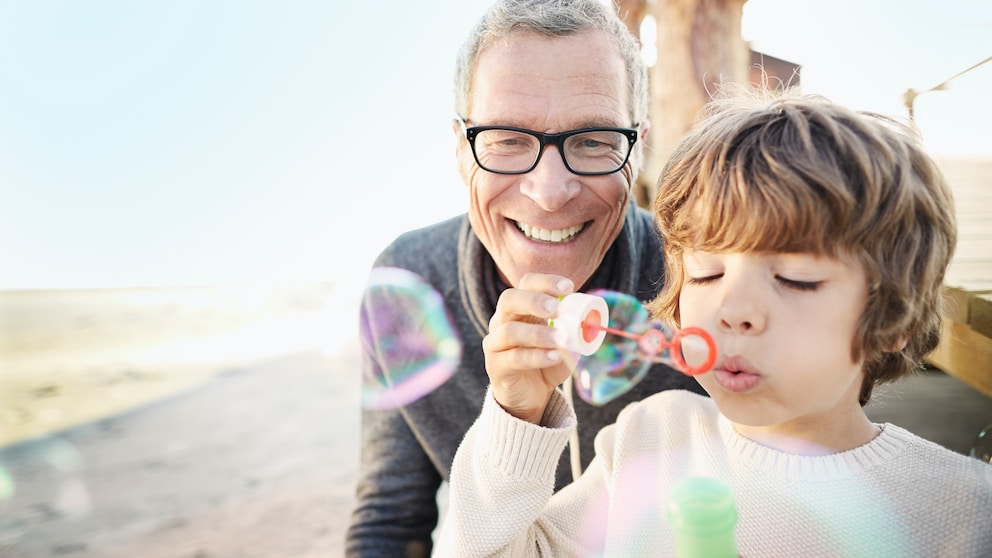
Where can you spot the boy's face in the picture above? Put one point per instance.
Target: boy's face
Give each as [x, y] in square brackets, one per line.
[783, 325]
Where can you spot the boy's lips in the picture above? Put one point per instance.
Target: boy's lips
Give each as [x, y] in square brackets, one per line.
[736, 374]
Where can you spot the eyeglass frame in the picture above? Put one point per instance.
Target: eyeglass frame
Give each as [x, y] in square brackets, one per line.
[558, 140]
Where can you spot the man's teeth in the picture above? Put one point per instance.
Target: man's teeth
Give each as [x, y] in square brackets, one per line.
[546, 235]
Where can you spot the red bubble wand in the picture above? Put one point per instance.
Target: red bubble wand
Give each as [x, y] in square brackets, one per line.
[584, 319]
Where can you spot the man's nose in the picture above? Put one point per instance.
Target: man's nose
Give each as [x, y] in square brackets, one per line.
[550, 184]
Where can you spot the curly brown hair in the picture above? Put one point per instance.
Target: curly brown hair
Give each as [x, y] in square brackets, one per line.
[777, 171]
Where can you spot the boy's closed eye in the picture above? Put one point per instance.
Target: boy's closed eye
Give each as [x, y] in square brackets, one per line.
[799, 285]
[702, 280]
[789, 283]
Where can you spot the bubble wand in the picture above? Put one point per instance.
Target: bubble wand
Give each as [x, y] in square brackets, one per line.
[583, 320]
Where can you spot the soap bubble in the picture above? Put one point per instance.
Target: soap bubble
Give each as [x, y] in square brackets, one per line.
[49, 471]
[616, 366]
[407, 332]
[6, 483]
[982, 448]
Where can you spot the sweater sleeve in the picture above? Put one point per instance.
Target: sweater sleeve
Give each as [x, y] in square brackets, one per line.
[501, 481]
[397, 507]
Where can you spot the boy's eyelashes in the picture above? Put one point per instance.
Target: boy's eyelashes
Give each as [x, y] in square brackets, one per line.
[789, 283]
[799, 285]
[702, 280]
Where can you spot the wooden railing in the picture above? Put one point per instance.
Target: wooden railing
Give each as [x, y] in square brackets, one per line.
[965, 350]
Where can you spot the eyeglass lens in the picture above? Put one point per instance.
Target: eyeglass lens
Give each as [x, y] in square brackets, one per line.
[598, 151]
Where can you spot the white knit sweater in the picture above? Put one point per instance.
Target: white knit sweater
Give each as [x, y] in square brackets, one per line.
[898, 495]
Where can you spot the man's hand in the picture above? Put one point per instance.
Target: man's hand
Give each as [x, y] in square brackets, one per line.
[523, 354]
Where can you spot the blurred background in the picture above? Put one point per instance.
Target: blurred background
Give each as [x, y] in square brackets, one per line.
[190, 143]
[191, 195]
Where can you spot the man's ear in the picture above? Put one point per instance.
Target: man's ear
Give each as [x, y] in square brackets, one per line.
[642, 140]
[463, 152]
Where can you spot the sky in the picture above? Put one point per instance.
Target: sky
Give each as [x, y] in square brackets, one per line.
[192, 143]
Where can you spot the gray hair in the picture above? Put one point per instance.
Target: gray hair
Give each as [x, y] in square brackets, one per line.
[552, 18]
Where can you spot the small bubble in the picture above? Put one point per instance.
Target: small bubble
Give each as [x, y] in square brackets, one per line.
[982, 448]
[6, 484]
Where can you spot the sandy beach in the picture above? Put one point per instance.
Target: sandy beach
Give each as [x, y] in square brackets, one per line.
[189, 422]
[71, 357]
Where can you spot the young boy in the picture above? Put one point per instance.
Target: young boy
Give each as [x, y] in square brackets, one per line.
[811, 241]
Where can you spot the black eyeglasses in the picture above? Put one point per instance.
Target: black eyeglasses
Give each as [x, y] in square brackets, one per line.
[588, 152]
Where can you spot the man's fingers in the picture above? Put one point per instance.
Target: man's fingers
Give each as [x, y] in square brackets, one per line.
[534, 301]
[528, 307]
[518, 359]
[520, 334]
[524, 360]
[554, 285]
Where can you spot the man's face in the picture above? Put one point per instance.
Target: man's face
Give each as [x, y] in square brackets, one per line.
[548, 85]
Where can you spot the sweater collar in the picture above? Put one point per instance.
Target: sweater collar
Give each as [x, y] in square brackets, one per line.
[884, 448]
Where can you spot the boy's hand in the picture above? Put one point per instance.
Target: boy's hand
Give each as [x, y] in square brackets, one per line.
[523, 355]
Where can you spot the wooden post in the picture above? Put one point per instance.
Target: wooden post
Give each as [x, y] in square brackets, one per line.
[632, 13]
[699, 46]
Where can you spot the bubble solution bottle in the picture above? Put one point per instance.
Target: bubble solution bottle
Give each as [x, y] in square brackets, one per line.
[703, 518]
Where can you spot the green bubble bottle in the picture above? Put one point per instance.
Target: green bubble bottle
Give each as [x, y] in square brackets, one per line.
[703, 518]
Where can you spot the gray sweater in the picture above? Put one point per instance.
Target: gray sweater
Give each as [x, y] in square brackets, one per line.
[406, 453]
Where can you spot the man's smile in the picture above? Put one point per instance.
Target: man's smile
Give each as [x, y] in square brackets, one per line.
[549, 235]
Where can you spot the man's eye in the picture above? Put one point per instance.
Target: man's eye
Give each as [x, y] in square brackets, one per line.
[597, 146]
[800, 285]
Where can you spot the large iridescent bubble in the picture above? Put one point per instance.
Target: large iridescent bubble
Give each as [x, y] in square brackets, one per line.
[406, 331]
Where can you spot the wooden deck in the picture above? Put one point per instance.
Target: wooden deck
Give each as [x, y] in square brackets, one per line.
[965, 351]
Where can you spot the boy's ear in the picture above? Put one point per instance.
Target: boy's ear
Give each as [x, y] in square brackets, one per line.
[899, 345]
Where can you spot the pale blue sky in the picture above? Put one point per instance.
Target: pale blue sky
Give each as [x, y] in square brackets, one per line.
[174, 143]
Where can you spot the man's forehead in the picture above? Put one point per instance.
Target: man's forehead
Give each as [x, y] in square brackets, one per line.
[530, 48]
[565, 82]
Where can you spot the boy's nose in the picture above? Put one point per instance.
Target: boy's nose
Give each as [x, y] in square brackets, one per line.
[739, 312]
[737, 326]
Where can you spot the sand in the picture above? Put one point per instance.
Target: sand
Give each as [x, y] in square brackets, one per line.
[70, 357]
[195, 422]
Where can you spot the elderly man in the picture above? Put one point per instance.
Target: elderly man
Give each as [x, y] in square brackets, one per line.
[551, 99]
